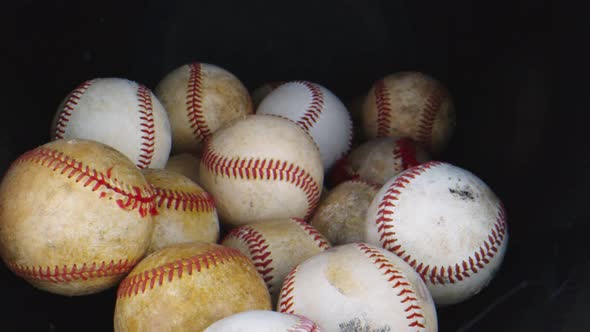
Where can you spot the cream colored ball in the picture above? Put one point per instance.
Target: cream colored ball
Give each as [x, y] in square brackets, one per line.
[263, 321]
[186, 164]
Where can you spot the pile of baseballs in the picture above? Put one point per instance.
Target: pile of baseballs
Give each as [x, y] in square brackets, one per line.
[214, 208]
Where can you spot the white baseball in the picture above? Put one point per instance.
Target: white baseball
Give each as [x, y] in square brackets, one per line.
[359, 287]
[263, 321]
[446, 223]
[263, 90]
[318, 111]
[120, 113]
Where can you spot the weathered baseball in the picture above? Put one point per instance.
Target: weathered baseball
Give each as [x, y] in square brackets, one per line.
[263, 90]
[262, 167]
[340, 216]
[186, 164]
[263, 321]
[120, 113]
[355, 108]
[276, 246]
[410, 104]
[186, 212]
[359, 287]
[318, 111]
[201, 98]
[187, 287]
[446, 223]
[75, 216]
[378, 160]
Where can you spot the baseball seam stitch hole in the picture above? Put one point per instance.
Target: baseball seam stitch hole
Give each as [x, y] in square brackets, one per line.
[183, 201]
[194, 103]
[146, 122]
[382, 101]
[69, 106]
[286, 301]
[428, 115]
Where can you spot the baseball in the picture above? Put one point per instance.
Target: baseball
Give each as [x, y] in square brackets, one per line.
[261, 167]
[358, 287]
[276, 246]
[201, 98]
[75, 217]
[446, 223]
[410, 104]
[263, 90]
[341, 214]
[318, 111]
[186, 213]
[378, 160]
[120, 113]
[263, 321]
[186, 164]
[187, 287]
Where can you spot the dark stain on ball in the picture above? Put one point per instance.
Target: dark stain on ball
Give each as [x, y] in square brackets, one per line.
[463, 193]
[358, 325]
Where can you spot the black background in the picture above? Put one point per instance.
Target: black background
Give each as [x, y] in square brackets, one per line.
[516, 70]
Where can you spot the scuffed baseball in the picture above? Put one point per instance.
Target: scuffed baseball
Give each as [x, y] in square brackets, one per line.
[413, 105]
[358, 287]
[318, 111]
[186, 212]
[120, 113]
[276, 246]
[75, 217]
[187, 287]
[186, 164]
[341, 215]
[263, 90]
[262, 167]
[263, 321]
[201, 98]
[446, 223]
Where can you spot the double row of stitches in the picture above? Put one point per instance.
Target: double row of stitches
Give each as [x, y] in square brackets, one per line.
[69, 105]
[262, 169]
[169, 272]
[383, 103]
[304, 325]
[404, 150]
[148, 130]
[431, 108]
[64, 273]
[286, 301]
[194, 103]
[434, 274]
[184, 201]
[398, 281]
[312, 114]
[258, 250]
[127, 197]
[313, 233]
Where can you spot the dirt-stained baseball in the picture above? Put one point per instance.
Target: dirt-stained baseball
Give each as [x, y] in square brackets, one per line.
[201, 98]
[359, 287]
[186, 164]
[187, 287]
[446, 223]
[318, 111]
[410, 104]
[276, 246]
[120, 113]
[75, 216]
[263, 321]
[186, 212]
[262, 167]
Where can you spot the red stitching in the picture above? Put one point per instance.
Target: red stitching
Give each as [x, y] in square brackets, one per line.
[319, 239]
[382, 101]
[286, 297]
[263, 169]
[182, 200]
[304, 324]
[257, 250]
[312, 114]
[168, 272]
[194, 104]
[134, 197]
[73, 273]
[146, 117]
[68, 108]
[404, 150]
[435, 274]
[432, 107]
[397, 279]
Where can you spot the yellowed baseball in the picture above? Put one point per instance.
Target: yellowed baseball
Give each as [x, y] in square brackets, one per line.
[200, 98]
[186, 212]
[186, 164]
[410, 104]
[75, 216]
[340, 216]
[187, 287]
[262, 167]
[276, 246]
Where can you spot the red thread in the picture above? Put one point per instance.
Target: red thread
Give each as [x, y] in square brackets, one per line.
[382, 101]
[404, 150]
[133, 197]
[66, 273]
[68, 108]
[311, 115]
[182, 200]
[194, 103]
[304, 325]
[262, 169]
[146, 117]
[432, 107]
[398, 280]
[286, 296]
[319, 239]
[171, 271]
